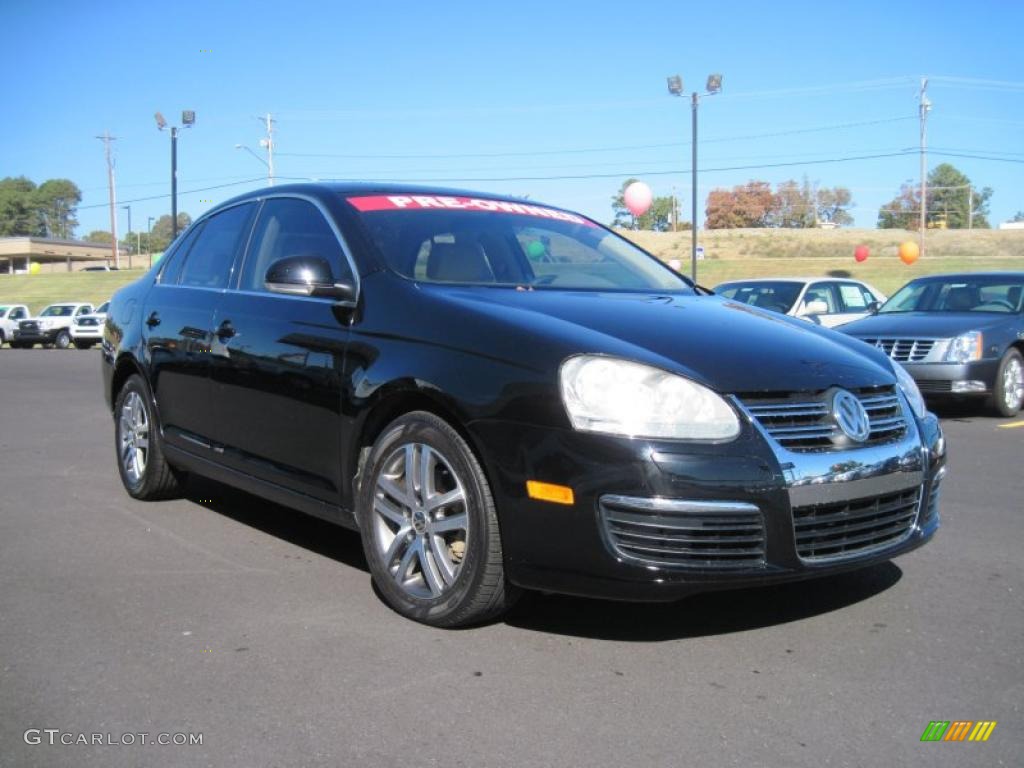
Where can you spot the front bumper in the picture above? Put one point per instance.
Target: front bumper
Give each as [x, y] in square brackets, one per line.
[87, 333]
[574, 550]
[938, 379]
[36, 337]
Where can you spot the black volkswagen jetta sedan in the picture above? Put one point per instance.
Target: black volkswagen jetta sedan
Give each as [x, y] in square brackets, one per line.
[959, 335]
[501, 395]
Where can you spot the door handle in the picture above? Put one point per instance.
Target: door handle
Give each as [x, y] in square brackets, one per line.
[153, 320]
[225, 330]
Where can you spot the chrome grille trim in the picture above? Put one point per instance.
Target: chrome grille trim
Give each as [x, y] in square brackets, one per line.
[683, 533]
[855, 527]
[807, 424]
[905, 350]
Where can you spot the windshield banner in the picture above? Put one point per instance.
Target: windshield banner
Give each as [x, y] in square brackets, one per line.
[443, 202]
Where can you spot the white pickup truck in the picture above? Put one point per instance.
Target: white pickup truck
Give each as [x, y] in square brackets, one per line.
[52, 328]
[10, 316]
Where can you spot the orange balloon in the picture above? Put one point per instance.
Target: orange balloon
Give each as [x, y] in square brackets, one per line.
[909, 252]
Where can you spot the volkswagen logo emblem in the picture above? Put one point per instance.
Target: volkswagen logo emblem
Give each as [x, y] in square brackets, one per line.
[851, 416]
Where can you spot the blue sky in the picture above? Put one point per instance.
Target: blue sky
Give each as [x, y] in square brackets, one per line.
[500, 97]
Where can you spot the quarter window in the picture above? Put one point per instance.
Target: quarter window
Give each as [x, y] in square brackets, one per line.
[289, 227]
[208, 264]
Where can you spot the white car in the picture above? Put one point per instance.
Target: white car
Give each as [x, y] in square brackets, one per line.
[87, 330]
[10, 315]
[828, 301]
[52, 328]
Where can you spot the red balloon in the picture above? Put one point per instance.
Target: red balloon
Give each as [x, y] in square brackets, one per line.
[860, 253]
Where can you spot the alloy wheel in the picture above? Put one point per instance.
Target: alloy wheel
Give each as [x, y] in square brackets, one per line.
[420, 520]
[134, 434]
[1013, 384]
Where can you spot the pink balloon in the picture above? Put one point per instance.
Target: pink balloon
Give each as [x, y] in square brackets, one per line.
[638, 198]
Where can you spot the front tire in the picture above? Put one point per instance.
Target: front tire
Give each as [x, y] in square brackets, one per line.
[1008, 392]
[63, 340]
[144, 471]
[429, 525]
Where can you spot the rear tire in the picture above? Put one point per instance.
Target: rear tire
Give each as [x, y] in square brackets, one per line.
[429, 525]
[144, 471]
[1008, 392]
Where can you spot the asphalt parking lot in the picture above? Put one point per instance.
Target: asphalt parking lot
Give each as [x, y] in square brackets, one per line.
[255, 626]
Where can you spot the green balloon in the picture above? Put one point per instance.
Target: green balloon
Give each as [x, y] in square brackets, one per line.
[535, 249]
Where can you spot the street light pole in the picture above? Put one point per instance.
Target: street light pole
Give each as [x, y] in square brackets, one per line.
[675, 87]
[188, 119]
[149, 239]
[693, 176]
[129, 237]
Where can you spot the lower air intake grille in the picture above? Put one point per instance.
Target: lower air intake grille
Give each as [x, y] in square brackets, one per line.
[828, 531]
[695, 534]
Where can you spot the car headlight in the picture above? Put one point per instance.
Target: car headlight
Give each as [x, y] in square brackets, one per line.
[910, 391]
[965, 347]
[606, 394]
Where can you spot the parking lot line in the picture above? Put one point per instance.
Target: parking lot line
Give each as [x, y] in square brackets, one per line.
[1012, 424]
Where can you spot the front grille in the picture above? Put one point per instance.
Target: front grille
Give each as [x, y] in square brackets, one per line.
[90, 321]
[28, 325]
[805, 423]
[704, 535]
[935, 385]
[840, 529]
[904, 350]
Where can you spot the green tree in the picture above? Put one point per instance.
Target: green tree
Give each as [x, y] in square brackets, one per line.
[658, 217]
[56, 201]
[161, 232]
[1019, 216]
[18, 214]
[794, 205]
[950, 195]
[903, 211]
[99, 236]
[832, 205]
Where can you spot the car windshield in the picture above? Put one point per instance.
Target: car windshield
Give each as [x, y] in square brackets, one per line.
[58, 310]
[3, 311]
[442, 239]
[102, 308]
[962, 293]
[779, 296]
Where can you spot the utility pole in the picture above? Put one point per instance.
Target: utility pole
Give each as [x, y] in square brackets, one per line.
[129, 237]
[106, 138]
[693, 175]
[268, 144]
[924, 106]
[970, 207]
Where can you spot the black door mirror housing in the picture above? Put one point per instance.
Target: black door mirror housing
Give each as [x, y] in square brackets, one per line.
[873, 307]
[307, 276]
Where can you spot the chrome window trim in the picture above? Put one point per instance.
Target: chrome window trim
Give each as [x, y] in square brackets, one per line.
[234, 286]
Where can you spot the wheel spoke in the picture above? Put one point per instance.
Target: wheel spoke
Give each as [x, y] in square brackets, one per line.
[396, 546]
[403, 565]
[388, 510]
[428, 568]
[444, 563]
[444, 499]
[392, 489]
[451, 523]
[142, 442]
[410, 473]
[425, 472]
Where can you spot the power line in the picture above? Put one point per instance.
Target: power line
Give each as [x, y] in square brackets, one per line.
[186, 192]
[620, 148]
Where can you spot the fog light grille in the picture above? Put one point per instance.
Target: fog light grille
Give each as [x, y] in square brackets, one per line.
[840, 529]
[694, 534]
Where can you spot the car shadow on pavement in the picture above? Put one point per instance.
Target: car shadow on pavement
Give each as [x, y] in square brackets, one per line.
[302, 530]
[961, 410]
[709, 613]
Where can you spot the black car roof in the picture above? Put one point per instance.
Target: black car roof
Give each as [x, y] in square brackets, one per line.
[968, 276]
[344, 188]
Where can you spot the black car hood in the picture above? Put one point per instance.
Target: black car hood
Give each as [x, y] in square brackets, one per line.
[729, 346]
[936, 325]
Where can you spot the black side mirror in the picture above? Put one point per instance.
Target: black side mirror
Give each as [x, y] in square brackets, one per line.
[307, 276]
[873, 308]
